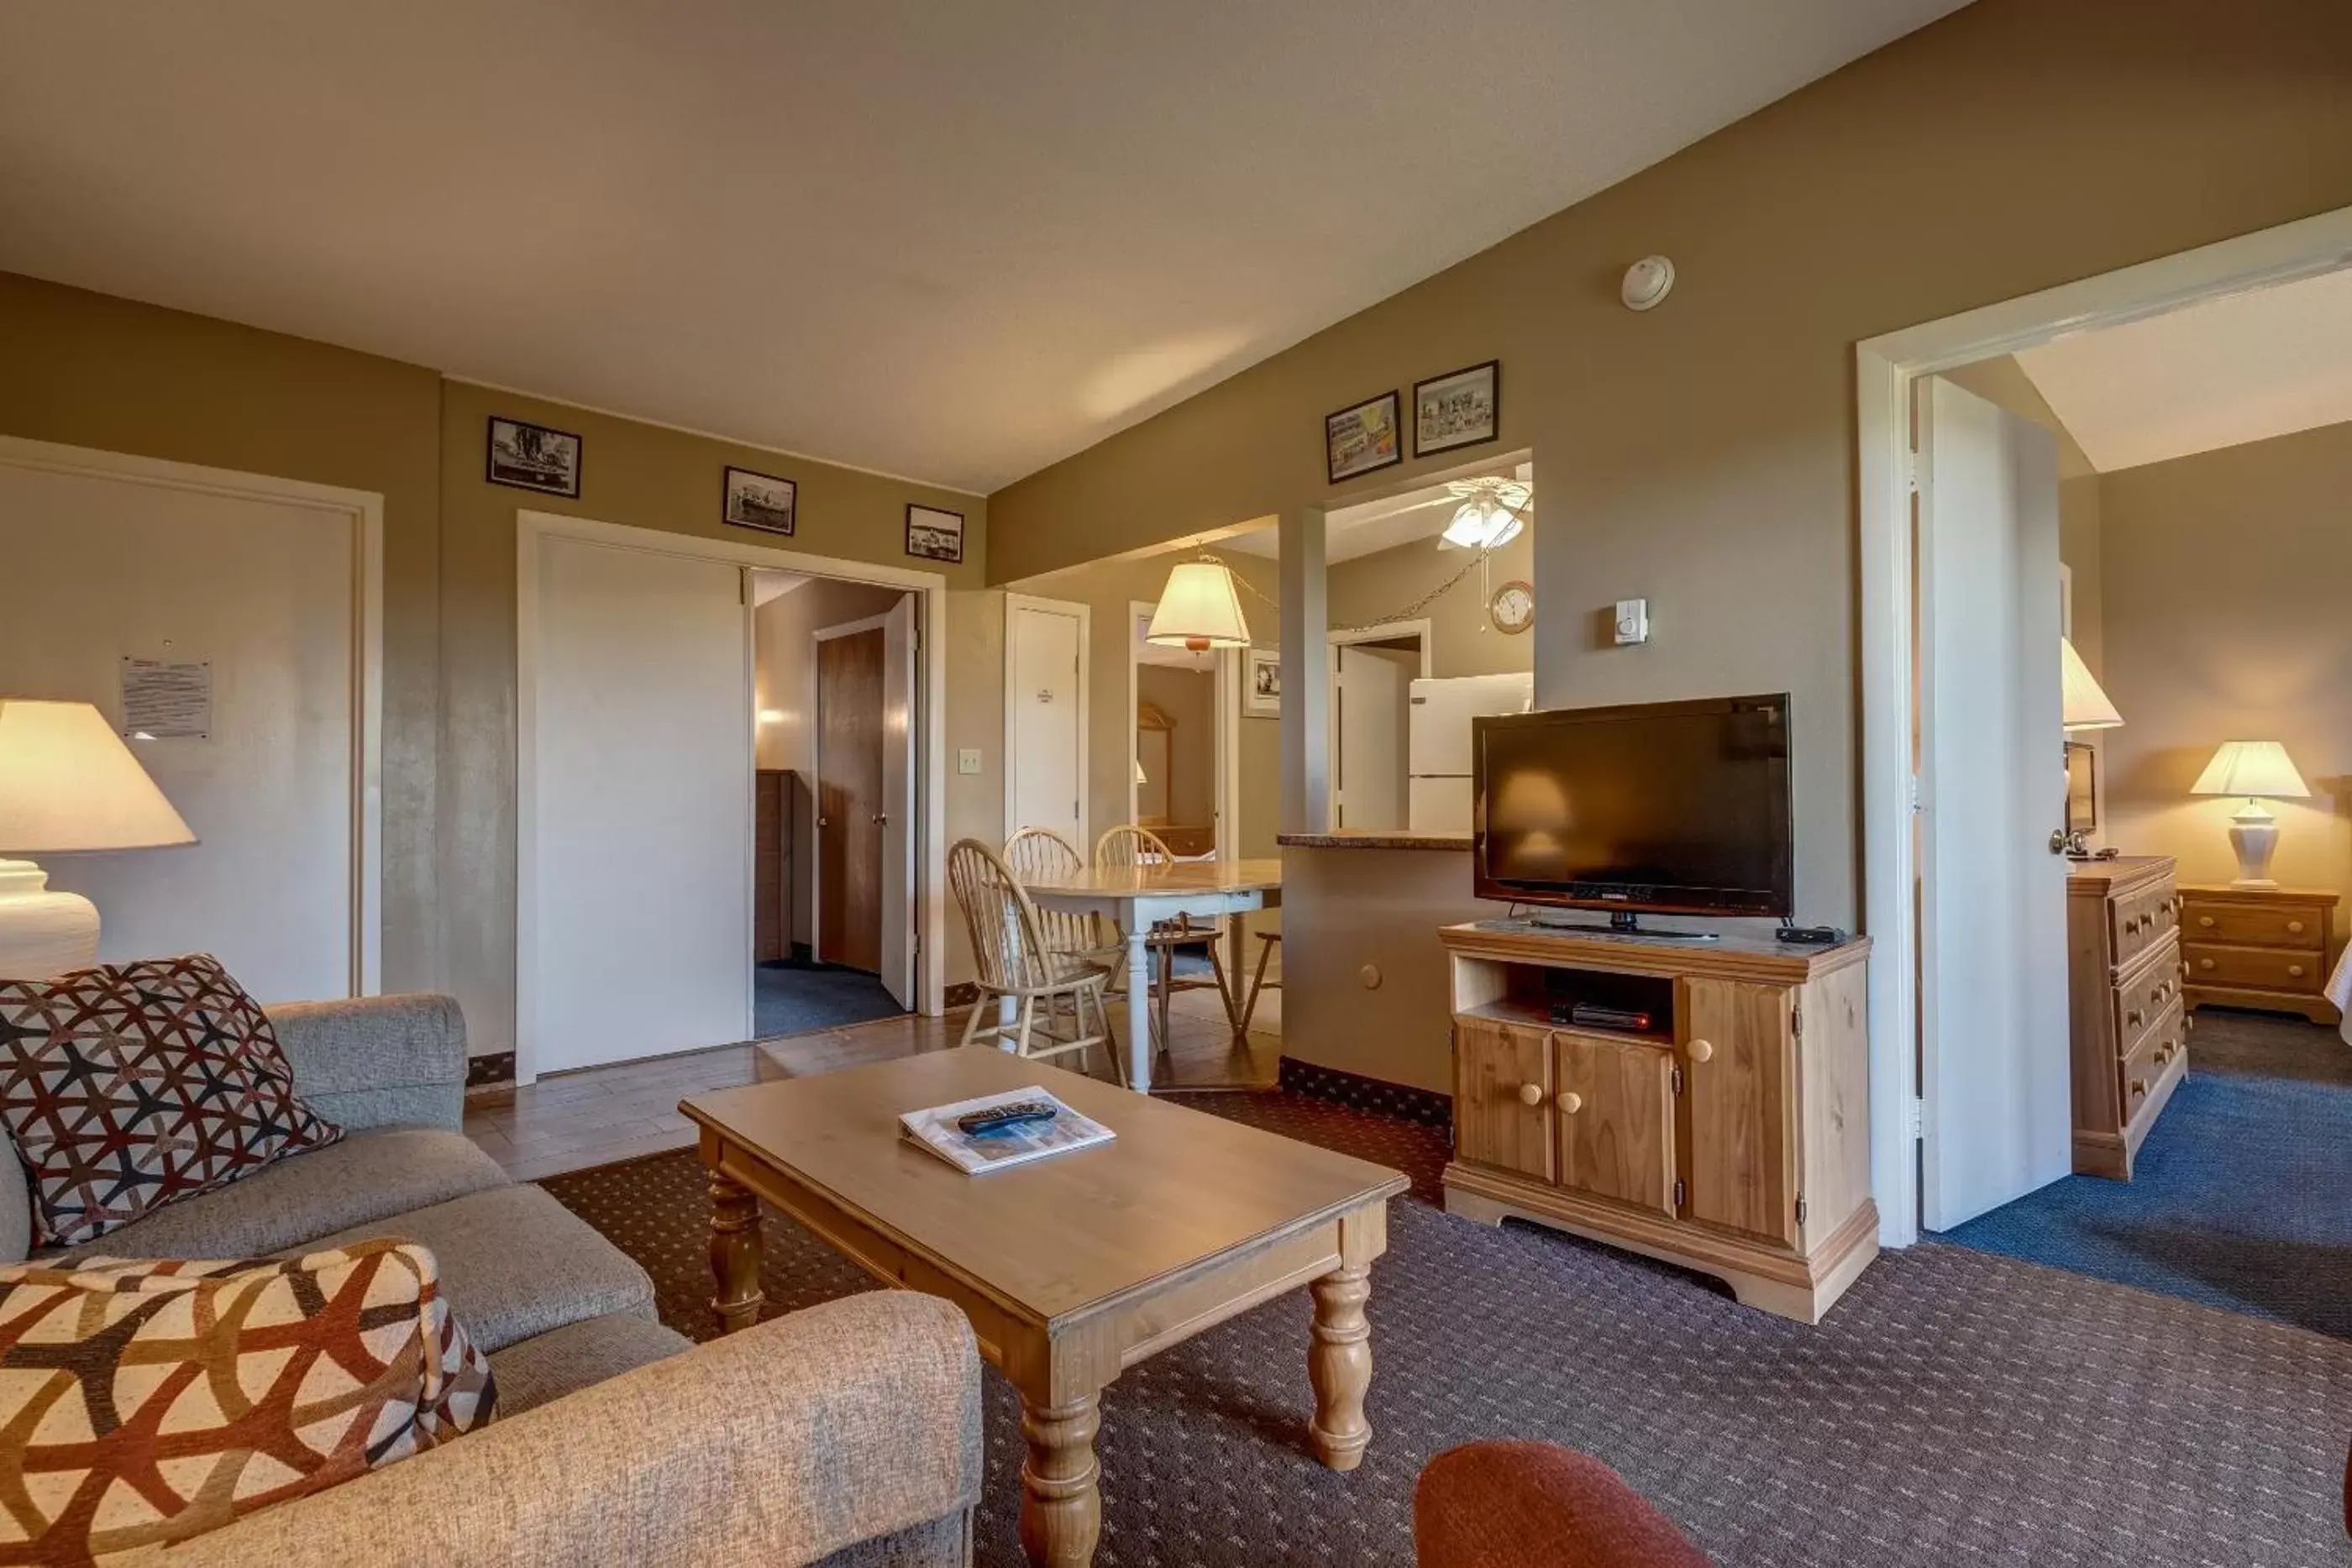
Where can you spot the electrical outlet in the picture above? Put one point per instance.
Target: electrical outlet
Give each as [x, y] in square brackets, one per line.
[968, 759]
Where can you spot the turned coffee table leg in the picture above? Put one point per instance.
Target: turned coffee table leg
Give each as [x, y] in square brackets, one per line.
[1339, 1364]
[734, 1254]
[1061, 1494]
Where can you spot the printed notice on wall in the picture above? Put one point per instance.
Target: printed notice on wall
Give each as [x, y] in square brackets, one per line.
[164, 699]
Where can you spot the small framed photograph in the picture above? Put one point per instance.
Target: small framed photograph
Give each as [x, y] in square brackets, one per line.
[760, 501]
[532, 457]
[1461, 408]
[1359, 439]
[935, 534]
[1262, 683]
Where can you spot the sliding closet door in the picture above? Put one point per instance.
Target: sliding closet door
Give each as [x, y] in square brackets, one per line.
[638, 808]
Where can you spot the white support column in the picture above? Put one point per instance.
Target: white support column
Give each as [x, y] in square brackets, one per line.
[1305, 675]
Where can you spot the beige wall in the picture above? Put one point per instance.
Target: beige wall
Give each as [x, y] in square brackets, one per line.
[2227, 619]
[87, 370]
[1702, 455]
[1372, 588]
[784, 640]
[91, 371]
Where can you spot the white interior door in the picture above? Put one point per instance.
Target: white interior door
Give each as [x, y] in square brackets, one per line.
[641, 846]
[1045, 718]
[1998, 1114]
[1368, 737]
[262, 590]
[898, 970]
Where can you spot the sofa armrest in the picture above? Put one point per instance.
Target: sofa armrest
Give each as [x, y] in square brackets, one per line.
[377, 1061]
[779, 1445]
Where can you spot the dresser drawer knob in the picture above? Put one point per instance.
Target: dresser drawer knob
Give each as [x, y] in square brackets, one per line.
[1570, 1100]
[2204, 963]
[2205, 920]
[2296, 969]
[2295, 926]
[1530, 1094]
[2186, 1025]
[1702, 1051]
[2132, 1019]
[2138, 1087]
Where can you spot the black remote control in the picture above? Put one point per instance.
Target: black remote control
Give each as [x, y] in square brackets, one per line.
[1812, 935]
[998, 1119]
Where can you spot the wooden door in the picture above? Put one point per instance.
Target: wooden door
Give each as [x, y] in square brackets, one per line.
[772, 833]
[1616, 1104]
[1502, 1104]
[1738, 1061]
[849, 804]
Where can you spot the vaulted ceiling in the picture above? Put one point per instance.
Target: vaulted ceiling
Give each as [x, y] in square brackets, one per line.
[953, 241]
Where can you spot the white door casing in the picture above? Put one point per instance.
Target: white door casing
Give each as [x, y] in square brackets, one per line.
[1046, 699]
[1995, 1047]
[641, 815]
[899, 797]
[277, 585]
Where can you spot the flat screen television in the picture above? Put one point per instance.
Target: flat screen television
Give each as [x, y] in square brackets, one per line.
[1662, 808]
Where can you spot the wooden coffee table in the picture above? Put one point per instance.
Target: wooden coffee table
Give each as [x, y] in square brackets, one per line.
[1071, 1269]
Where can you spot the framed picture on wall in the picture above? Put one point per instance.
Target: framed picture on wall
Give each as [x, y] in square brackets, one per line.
[1461, 408]
[1359, 439]
[760, 501]
[1262, 683]
[532, 457]
[935, 534]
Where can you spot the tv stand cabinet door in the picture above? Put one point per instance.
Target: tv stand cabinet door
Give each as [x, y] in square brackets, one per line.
[1739, 1051]
[1502, 1105]
[1616, 1102]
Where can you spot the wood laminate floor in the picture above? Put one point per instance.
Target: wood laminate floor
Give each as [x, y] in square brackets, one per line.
[599, 1116]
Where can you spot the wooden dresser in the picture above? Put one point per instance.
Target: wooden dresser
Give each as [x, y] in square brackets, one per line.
[2129, 1027]
[2259, 947]
[1729, 1132]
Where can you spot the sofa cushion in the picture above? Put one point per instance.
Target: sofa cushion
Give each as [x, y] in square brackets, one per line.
[148, 1401]
[515, 1264]
[577, 1356]
[131, 1086]
[295, 1202]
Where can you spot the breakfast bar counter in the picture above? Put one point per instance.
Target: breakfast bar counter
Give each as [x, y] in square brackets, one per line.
[1372, 839]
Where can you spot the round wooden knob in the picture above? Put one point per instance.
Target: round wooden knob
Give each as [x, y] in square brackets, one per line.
[2186, 1025]
[2140, 1086]
[1570, 1100]
[1701, 1051]
[2131, 1019]
[1370, 977]
[2204, 920]
[2204, 963]
[2296, 969]
[2295, 926]
[1530, 1094]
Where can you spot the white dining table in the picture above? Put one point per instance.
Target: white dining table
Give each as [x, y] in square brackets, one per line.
[1138, 898]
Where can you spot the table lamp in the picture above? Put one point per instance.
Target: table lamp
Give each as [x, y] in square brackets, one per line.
[67, 783]
[2258, 769]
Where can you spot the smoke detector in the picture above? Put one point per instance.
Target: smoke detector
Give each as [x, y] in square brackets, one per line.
[1647, 282]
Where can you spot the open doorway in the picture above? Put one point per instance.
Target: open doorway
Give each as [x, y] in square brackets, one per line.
[2097, 618]
[835, 786]
[1181, 716]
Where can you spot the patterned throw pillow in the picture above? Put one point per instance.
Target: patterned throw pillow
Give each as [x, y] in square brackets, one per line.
[129, 1086]
[144, 1403]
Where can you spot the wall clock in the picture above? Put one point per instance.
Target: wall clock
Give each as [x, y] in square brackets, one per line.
[1513, 607]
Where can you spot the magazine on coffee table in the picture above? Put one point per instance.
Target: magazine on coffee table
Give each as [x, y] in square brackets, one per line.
[936, 1130]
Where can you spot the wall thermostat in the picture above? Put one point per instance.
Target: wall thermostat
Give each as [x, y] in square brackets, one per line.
[1633, 622]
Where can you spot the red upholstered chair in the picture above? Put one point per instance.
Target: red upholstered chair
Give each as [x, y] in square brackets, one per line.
[1538, 1505]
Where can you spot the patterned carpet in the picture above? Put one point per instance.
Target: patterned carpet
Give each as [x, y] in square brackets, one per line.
[1957, 1407]
[2242, 1196]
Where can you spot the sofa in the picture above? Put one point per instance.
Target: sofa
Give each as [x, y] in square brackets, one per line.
[847, 1435]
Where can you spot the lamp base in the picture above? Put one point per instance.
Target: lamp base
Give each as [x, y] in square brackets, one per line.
[2254, 834]
[42, 932]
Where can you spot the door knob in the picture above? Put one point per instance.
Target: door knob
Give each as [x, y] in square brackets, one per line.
[1530, 1094]
[824, 822]
[1570, 1100]
[2057, 840]
[1702, 1051]
[882, 818]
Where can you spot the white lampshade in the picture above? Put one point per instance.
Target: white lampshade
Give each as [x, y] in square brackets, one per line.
[1139, 779]
[1199, 610]
[2251, 769]
[67, 782]
[2083, 704]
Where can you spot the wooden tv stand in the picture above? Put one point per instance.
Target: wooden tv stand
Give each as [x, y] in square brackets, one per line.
[1731, 1135]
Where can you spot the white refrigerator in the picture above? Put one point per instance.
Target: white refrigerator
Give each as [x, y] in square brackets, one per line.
[1437, 760]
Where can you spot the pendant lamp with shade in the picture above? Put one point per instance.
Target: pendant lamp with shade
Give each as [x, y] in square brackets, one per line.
[1198, 608]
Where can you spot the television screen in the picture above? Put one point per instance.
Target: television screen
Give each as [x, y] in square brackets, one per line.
[1675, 808]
